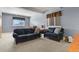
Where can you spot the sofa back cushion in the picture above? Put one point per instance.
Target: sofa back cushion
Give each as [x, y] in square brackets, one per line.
[51, 30]
[23, 31]
[27, 31]
[19, 31]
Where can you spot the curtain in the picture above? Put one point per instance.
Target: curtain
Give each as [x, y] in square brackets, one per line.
[54, 18]
[50, 21]
[58, 19]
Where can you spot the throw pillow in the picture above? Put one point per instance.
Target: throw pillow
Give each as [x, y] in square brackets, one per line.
[37, 30]
[57, 30]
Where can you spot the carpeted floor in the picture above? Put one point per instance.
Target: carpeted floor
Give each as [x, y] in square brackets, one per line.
[7, 43]
[42, 45]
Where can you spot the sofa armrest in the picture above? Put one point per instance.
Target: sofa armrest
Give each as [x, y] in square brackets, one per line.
[15, 35]
[60, 33]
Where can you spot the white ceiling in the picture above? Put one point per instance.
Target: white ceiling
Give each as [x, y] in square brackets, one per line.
[41, 9]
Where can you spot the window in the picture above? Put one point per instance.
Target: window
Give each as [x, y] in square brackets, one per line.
[54, 19]
[17, 21]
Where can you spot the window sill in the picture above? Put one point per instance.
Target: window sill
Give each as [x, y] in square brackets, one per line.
[55, 26]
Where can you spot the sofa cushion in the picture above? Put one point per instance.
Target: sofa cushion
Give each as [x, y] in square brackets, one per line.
[37, 30]
[57, 30]
[51, 30]
[50, 34]
[25, 35]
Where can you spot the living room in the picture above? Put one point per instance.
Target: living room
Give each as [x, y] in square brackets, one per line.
[39, 18]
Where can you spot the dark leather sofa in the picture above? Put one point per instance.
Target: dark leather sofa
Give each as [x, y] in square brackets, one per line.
[53, 36]
[22, 35]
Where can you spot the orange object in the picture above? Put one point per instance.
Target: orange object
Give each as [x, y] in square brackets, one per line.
[74, 46]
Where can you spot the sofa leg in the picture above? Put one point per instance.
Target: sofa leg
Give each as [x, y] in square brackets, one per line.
[58, 40]
[16, 42]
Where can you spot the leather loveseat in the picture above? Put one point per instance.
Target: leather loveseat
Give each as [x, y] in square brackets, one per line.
[53, 36]
[22, 35]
